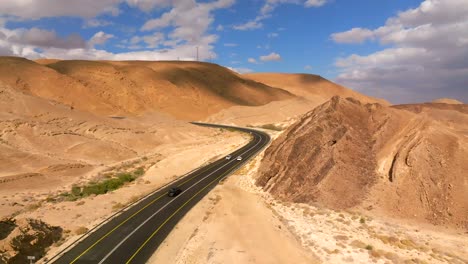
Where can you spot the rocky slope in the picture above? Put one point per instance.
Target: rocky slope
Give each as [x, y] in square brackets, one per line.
[25, 237]
[346, 154]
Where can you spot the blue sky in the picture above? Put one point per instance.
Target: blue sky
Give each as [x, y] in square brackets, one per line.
[383, 48]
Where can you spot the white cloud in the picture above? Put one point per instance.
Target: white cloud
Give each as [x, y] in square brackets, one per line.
[190, 22]
[230, 45]
[35, 9]
[427, 57]
[315, 3]
[92, 23]
[99, 38]
[187, 20]
[268, 8]
[29, 9]
[220, 28]
[308, 68]
[41, 38]
[355, 35]
[148, 5]
[151, 41]
[271, 57]
[252, 60]
[249, 25]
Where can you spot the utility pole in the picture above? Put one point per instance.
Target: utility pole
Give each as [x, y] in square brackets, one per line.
[197, 54]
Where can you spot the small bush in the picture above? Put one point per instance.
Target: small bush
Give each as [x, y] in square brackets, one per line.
[369, 247]
[81, 230]
[139, 172]
[117, 206]
[125, 177]
[362, 220]
[76, 190]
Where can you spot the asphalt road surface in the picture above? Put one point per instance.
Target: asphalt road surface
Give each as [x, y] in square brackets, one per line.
[134, 235]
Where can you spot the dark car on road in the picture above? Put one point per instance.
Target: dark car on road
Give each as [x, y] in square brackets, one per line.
[174, 191]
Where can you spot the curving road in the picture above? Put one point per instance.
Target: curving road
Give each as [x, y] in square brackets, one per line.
[135, 234]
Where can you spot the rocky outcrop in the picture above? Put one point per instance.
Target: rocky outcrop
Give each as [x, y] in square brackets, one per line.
[403, 163]
[25, 237]
[327, 156]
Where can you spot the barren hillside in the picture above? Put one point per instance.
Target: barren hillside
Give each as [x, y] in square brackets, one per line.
[186, 90]
[313, 87]
[346, 154]
[311, 90]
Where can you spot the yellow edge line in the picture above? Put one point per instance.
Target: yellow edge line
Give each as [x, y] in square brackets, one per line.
[133, 215]
[167, 220]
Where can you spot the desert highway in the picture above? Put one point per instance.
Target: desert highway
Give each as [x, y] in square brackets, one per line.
[135, 234]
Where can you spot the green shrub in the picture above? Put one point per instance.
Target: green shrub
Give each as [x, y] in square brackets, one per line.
[125, 177]
[139, 172]
[76, 190]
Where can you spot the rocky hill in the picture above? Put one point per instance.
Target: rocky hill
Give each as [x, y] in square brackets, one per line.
[347, 154]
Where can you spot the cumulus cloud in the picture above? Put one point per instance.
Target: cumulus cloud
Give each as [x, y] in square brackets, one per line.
[268, 8]
[188, 22]
[151, 41]
[92, 23]
[191, 22]
[148, 5]
[271, 57]
[355, 35]
[427, 57]
[27, 9]
[42, 38]
[99, 38]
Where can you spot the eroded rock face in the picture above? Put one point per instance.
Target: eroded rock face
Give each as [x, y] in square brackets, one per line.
[400, 162]
[327, 156]
[25, 237]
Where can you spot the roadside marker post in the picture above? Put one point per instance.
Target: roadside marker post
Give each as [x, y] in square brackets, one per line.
[31, 259]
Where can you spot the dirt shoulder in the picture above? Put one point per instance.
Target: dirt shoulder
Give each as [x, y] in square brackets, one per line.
[239, 223]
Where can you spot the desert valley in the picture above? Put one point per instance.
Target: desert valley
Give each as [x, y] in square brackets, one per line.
[346, 178]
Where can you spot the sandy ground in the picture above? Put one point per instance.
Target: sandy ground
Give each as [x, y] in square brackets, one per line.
[174, 160]
[231, 225]
[239, 223]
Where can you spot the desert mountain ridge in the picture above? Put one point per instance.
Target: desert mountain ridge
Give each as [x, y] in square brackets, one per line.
[185, 90]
